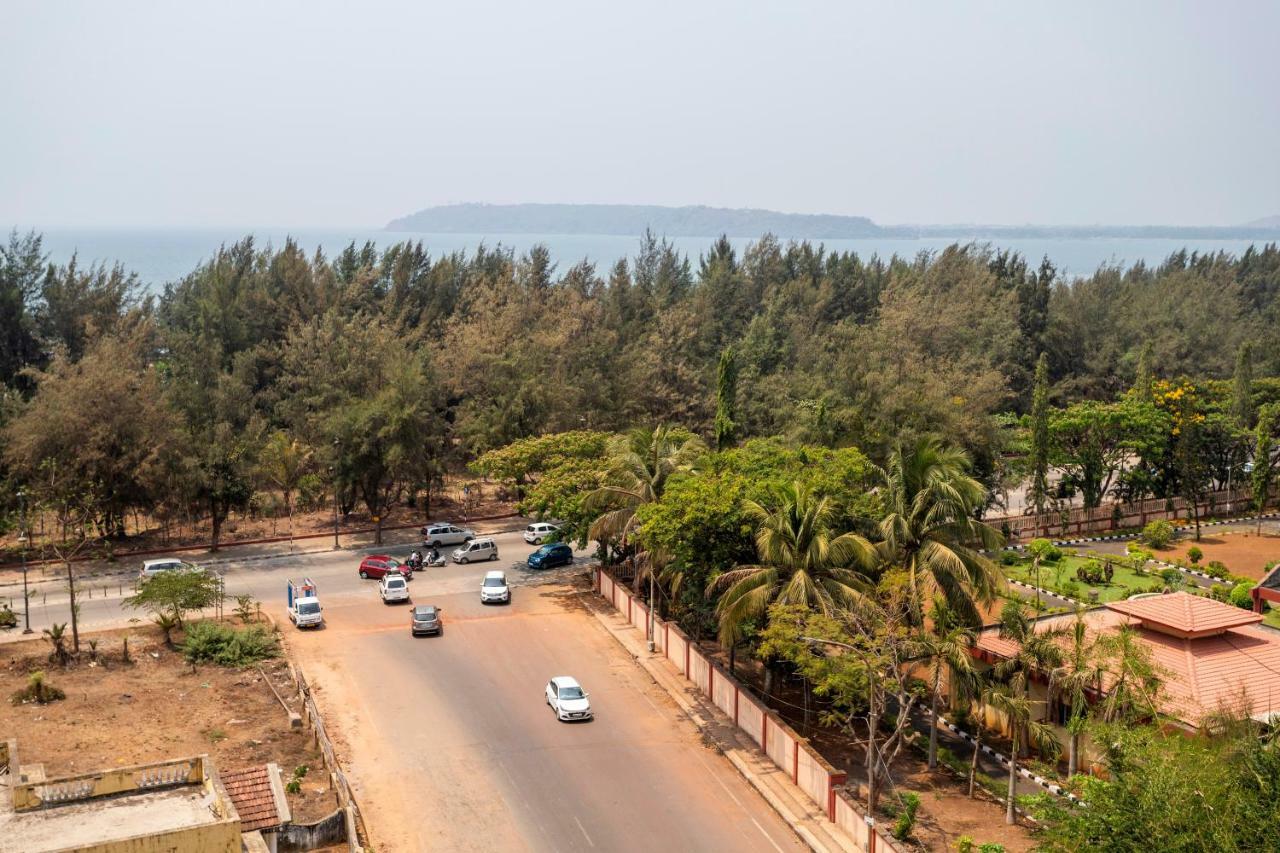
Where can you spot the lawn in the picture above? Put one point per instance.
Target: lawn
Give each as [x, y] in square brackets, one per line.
[1059, 577]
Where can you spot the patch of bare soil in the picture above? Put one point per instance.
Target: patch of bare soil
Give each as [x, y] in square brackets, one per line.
[1245, 554]
[155, 709]
[946, 812]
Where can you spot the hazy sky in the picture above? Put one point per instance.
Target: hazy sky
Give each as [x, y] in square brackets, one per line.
[319, 114]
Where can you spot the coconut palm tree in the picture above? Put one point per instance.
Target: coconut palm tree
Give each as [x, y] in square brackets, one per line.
[801, 561]
[946, 646]
[930, 531]
[1080, 673]
[1024, 730]
[1134, 692]
[640, 463]
[1036, 651]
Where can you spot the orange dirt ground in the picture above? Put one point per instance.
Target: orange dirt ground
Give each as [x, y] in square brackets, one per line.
[1242, 553]
[153, 710]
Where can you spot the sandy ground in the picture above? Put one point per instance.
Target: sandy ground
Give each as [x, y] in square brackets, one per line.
[450, 745]
[1242, 552]
[154, 710]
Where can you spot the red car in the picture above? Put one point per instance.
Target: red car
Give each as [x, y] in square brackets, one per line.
[377, 566]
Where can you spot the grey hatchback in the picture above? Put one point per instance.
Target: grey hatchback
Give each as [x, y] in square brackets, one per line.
[425, 619]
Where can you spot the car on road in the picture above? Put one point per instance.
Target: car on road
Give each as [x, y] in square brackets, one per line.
[378, 566]
[494, 588]
[393, 587]
[425, 619]
[567, 698]
[434, 535]
[476, 550]
[549, 556]
[541, 531]
[151, 568]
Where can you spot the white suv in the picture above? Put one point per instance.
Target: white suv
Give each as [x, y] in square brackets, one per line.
[151, 568]
[393, 587]
[541, 531]
[494, 588]
[435, 535]
[476, 550]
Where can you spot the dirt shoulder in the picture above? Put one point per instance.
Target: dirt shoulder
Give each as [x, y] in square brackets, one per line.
[155, 709]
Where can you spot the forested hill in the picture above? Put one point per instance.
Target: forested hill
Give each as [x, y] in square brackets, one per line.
[628, 219]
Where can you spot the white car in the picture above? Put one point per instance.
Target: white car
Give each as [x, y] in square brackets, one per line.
[541, 531]
[435, 535]
[151, 568]
[567, 698]
[393, 587]
[475, 551]
[494, 588]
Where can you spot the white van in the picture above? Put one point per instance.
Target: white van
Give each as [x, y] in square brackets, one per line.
[151, 568]
[476, 550]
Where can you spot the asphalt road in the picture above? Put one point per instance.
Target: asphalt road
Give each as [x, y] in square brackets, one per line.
[448, 741]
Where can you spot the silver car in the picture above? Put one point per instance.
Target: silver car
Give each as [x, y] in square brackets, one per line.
[435, 535]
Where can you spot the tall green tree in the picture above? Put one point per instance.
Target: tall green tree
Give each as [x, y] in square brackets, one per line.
[947, 646]
[1242, 387]
[1078, 676]
[726, 426]
[1039, 461]
[1144, 376]
[930, 531]
[1025, 731]
[22, 262]
[283, 462]
[1263, 464]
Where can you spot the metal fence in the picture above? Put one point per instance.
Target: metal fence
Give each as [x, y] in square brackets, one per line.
[1117, 515]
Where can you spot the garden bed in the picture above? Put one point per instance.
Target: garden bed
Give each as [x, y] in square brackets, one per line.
[1061, 577]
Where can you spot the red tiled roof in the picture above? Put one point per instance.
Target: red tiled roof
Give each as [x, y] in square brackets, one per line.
[250, 790]
[1184, 615]
[1199, 674]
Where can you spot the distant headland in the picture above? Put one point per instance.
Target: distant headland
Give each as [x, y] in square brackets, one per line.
[701, 221]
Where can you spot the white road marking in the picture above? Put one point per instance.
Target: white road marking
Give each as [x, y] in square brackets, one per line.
[588, 837]
[766, 835]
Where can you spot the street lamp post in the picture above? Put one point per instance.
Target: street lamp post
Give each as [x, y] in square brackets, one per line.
[653, 603]
[333, 479]
[22, 538]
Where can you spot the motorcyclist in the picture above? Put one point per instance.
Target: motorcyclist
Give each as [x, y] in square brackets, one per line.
[415, 560]
[435, 555]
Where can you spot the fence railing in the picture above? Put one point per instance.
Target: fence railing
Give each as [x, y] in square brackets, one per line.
[791, 753]
[357, 836]
[1078, 521]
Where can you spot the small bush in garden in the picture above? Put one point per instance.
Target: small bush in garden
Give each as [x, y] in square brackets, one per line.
[1216, 569]
[1091, 571]
[964, 844]
[1171, 576]
[990, 847]
[1194, 554]
[907, 817]
[227, 646]
[1008, 558]
[1045, 550]
[293, 786]
[1158, 534]
[1240, 596]
[1220, 592]
[38, 690]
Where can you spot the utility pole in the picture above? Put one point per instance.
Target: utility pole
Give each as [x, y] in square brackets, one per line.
[653, 603]
[22, 538]
[333, 479]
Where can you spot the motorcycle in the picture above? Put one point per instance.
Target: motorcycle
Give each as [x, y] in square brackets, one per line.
[435, 560]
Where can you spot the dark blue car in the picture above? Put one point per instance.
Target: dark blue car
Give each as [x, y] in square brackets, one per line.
[555, 554]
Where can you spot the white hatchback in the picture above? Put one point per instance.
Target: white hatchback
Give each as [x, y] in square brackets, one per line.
[541, 531]
[494, 588]
[567, 698]
[393, 587]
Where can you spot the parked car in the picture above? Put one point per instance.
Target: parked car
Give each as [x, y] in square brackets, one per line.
[393, 587]
[378, 566]
[435, 535]
[541, 531]
[151, 568]
[476, 550]
[425, 619]
[548, 556]
[567, 698]
[494, 588]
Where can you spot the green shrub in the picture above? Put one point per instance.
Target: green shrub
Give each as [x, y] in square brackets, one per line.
[1194, 554]
[907, 817]
[1070, 589]
[1158, 534]
[964, 844]
[1220, 592]
[1171, 576]
[1045, 550]
[227, 646]
[990, 847]
[38, 690]
[1240, 596]
[1008, 558]
[1216, 569]
[1092, 571]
